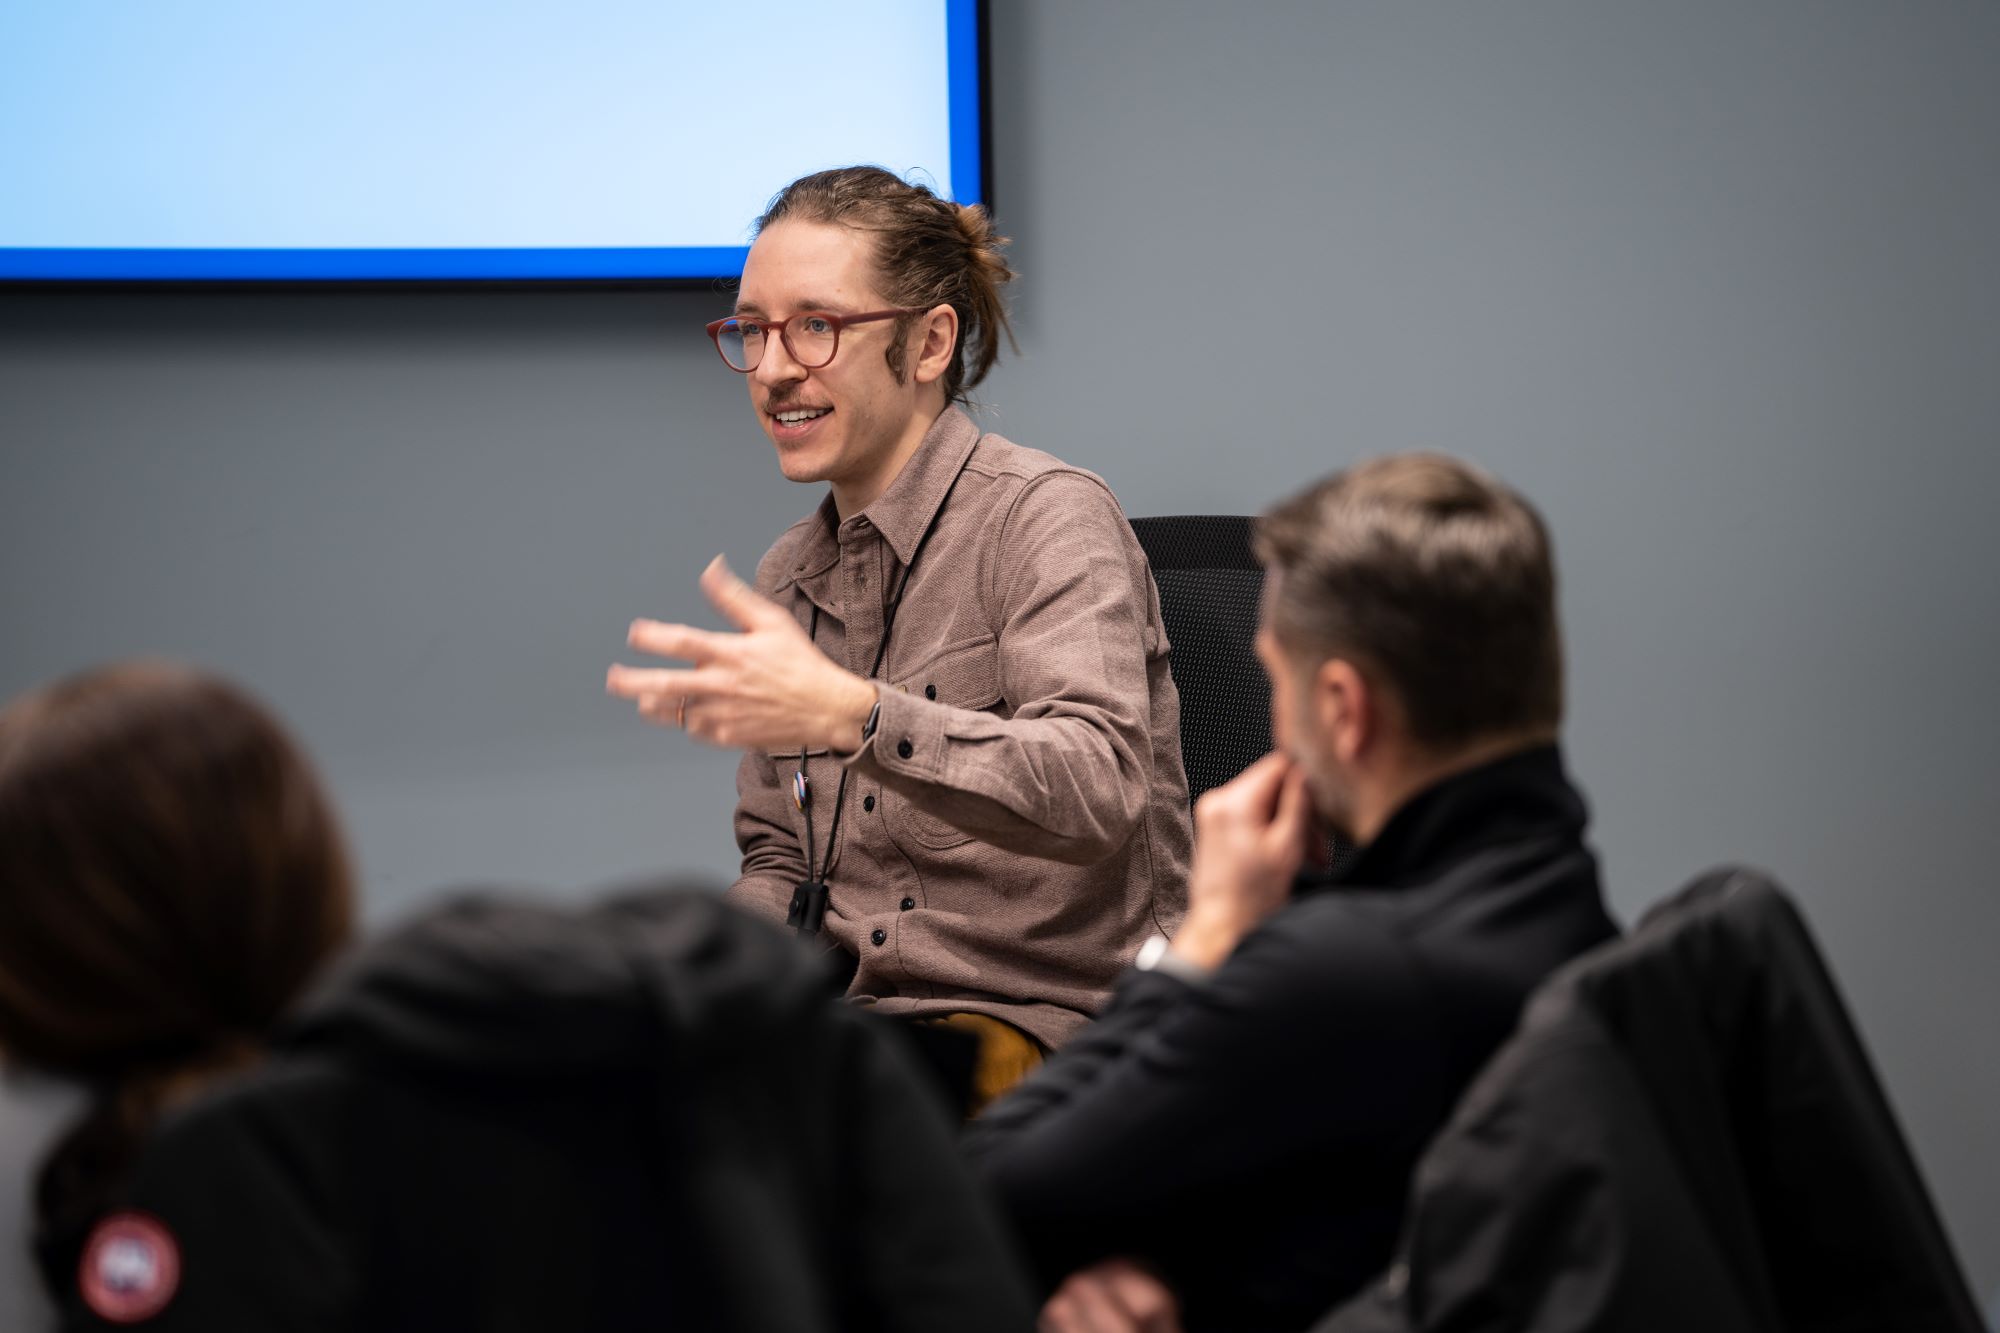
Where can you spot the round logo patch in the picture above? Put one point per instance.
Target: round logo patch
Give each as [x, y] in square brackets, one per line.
[131, 1268]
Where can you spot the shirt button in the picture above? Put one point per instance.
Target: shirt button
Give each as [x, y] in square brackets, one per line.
[868, 803]
[903, 749]
[930, 691]
[879, 938]
[908, 903]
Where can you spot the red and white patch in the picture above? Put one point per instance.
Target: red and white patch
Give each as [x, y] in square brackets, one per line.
[131, 1268]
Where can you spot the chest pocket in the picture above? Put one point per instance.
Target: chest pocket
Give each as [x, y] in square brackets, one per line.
[966, 676]
[823, 772]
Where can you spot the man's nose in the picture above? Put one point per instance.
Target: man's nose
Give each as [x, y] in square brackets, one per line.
[777, 365]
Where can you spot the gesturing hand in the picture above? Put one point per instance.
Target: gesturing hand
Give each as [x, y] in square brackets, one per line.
[1251, 836]
[765, 687]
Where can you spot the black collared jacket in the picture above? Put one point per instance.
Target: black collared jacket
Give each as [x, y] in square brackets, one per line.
[1251, 1137]
[1685, 1133]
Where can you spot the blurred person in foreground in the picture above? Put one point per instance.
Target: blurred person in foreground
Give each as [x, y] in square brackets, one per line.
[1228, 1145]
[500, 1115]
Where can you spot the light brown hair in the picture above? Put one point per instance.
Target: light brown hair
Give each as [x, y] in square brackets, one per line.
[928, 252]
[1435, 578]
[171, 878]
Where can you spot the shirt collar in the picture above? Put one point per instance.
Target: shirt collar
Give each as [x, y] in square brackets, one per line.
[817, 549]
[903, 512]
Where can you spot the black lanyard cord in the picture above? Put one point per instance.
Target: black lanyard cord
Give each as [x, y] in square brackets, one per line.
[809, 899]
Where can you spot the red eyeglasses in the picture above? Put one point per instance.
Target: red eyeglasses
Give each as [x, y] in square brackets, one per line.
[811, 337]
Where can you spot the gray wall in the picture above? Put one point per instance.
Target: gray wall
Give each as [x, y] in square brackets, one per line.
[1715, 283]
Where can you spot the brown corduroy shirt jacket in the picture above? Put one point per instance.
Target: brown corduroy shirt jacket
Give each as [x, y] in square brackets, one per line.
[1017, 825]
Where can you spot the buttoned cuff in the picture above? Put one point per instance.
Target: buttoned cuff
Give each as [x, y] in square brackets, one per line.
[909, 738]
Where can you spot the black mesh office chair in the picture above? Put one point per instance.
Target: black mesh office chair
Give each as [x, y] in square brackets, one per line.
[1685, 1133]
[1210, 586]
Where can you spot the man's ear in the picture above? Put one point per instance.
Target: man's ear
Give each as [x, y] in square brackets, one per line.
[936, 337]
[1346, 709]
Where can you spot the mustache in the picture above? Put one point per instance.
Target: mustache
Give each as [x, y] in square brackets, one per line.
[786, 402]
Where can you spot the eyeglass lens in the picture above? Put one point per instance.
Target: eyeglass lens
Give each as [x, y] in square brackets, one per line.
[811, 339]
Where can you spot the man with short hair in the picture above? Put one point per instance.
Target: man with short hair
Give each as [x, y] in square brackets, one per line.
[1233, 1135]
[961, 740]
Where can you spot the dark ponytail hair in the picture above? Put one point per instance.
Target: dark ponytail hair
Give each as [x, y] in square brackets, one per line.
[928, 252]
[171, 878]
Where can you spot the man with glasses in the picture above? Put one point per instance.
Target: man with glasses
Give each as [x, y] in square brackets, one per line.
[961, 742]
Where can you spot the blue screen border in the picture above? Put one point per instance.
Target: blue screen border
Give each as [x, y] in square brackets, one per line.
[965, 32]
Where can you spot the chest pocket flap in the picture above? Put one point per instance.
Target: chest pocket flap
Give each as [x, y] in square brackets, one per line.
[965, 676]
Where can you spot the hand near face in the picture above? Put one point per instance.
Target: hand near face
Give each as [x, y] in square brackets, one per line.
[1251, 837]
[765, 687]
[1111, 1296]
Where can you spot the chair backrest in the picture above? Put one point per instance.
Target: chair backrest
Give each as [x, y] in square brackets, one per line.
[1685, 1132]
[1210, 589]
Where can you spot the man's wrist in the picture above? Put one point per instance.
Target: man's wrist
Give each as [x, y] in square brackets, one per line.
[1206, 939]
[852, 715]
[1158, 955]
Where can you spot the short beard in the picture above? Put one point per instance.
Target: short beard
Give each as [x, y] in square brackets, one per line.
[1331, 806]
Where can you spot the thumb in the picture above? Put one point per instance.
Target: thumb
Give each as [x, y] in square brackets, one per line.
[741, 604]
[1294, 815]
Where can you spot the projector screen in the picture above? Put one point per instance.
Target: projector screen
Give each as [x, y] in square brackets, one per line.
[247, 140]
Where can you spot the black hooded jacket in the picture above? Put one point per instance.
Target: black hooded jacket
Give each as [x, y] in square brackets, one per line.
[504, 1116]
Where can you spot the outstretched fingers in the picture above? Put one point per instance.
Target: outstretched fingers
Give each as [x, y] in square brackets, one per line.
[680, 641]
[745, 607]
[640, 683]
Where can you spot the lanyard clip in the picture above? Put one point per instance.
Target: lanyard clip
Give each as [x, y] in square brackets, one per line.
[808, 907]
